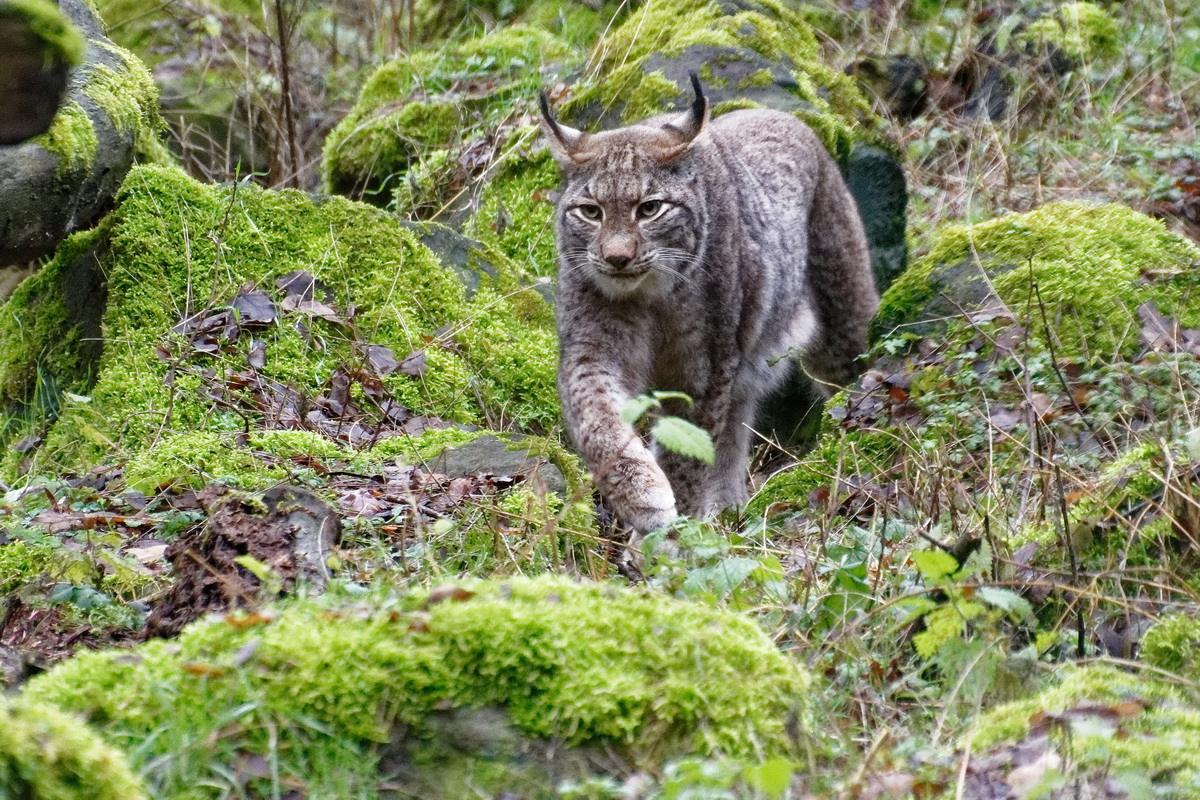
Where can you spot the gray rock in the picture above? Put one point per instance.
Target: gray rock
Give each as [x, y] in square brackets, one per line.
[44, 198]
[493, 455]
[30, 88]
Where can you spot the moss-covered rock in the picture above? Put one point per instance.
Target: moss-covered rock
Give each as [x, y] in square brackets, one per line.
[1111, 722]
[176, 252]
[46, 754]
[1083, 32]
[59, 40]
[760, 52]
[1027, 322]
[60, 181]
[316, 689]
[40, 47]
[432, 106]
[1087, 267]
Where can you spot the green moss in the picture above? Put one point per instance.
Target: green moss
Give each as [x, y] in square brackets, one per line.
[174, 247]
[515, 213]
[37, 337]
[196, 459]
[770, 28]
[129, 96]
[836, 454]
[586, 664]
[1162, 741]
[1082, 31]
[46, 754]
[414, 449]
[762, 77]
[61, 41]
[1093, 266]
[72, 138]
[1173, 644]
[414, 107]
[22, 563]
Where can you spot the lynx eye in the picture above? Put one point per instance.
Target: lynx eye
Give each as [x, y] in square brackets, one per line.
[590, 212]
[649, 209]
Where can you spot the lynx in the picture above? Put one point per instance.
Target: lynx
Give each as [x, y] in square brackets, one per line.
[698, 256]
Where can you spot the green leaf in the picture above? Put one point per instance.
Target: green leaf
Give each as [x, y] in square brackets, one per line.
[635, 407]
[684, 396]
[772, 778]
[723, 577]
[934, 564]
[682, 437]
[269, 578]
[1006, 600]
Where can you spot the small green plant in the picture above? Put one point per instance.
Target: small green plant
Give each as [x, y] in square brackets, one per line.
[674, 433]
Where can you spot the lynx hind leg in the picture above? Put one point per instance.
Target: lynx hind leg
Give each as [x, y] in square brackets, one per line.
[841, 282]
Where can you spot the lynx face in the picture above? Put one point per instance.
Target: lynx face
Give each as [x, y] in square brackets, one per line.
[630, 230]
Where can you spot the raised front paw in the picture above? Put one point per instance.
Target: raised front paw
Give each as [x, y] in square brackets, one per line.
[647, 519]
[641, 496]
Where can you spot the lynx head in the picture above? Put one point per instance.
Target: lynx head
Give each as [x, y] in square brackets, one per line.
[631, 216]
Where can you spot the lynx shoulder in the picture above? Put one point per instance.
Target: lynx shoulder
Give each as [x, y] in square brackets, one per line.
[698, 255]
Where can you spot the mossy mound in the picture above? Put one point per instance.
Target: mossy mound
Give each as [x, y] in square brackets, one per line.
[631, 60]
[1022, 327]
[1074, 271]
[178, 254]
[431, 106]
[46, 754]
[1083, 32]
[316, 688]
[1110, 722]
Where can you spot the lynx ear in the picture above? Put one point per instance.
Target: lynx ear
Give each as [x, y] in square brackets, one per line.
[689, 124]
[566, 144]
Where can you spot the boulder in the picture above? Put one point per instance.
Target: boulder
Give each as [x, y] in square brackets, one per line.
[237, 303]
[499, 688]
[1055, 322]
[38, 48]
[62, 180]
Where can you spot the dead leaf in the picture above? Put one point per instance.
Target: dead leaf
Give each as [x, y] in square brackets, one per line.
[255, 308]
[441, 594]
[147, 554]
[381, 359]
[414, 363]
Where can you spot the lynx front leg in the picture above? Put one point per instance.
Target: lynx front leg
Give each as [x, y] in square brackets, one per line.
[593, 393]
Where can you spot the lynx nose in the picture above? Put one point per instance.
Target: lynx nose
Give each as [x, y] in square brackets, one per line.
[619, 251]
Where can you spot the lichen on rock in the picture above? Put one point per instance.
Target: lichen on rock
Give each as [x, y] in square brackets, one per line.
[639, 674]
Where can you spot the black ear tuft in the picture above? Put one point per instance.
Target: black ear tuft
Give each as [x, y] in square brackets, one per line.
[544, 102]
[700, 103]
